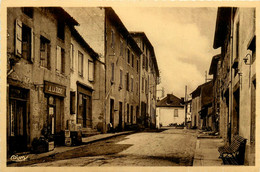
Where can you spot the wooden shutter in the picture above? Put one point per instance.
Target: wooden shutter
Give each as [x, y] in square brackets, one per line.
[90, 71]
[32, 45]
[18, 37]
[58, 59]
[49, 56]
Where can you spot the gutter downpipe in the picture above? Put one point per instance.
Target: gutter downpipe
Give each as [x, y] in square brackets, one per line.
[231, 74]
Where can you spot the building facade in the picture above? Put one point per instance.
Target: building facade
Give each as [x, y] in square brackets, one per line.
[82, 66]
[38, 75]
[149, 79]
[116, 94]
[235, 35]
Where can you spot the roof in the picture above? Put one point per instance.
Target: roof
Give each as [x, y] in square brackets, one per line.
[83, 43]
[146, 40]
[122, 29]
[63, 15]
[170, 101]
[197, 91]
[214, 64]
[222, 26]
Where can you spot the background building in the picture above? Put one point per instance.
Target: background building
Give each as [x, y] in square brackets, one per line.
[170, 110]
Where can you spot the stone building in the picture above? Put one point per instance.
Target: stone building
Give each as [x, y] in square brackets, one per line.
[149, 79]
[235, 35]
[82, 65]
[202, 98]
[116, 95]
[38, 74]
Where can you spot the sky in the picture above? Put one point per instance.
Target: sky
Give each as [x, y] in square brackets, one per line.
[182, 40]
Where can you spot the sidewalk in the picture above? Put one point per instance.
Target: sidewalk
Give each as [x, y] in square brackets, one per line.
[85, 140]
[206, 153]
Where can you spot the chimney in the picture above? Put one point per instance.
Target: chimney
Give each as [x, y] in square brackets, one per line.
[169, 99]
[182, 100]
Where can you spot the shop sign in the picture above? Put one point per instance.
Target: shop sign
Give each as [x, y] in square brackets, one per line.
[54, 89]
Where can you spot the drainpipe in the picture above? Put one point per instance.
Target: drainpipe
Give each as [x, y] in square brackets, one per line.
[231, 74]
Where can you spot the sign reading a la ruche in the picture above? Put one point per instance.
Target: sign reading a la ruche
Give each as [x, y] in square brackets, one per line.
[54, 89]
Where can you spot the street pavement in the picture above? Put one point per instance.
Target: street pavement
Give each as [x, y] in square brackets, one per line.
[172, 147]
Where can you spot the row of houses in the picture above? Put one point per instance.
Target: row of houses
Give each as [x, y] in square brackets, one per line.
[56, 81]
[227, 104]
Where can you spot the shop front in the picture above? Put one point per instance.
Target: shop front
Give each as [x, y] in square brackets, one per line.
[55, 95]
[18, 120]
[84, 115]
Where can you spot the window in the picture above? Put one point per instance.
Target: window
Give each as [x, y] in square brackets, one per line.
[146, 85]
[28, 11]
[60, 60]
[71, 56]
[132, 84]
[112, 38]
[137, 90]
[127, 81]
[142, 84]
[127, 113]
[45, 48]
[80, 63]
[121, 48]
[121, 79]
[137, 66]
[144, 61]
[128, 56]
[112, 72]
[175, 112]
[27, 42]
[72, 102]
[133, 58]
[90, 71]
[61, 30]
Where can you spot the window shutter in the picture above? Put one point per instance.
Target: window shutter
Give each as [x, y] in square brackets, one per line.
[48, 56]
[90, 71]
[18, 37]
[32, 45]
[58, 59]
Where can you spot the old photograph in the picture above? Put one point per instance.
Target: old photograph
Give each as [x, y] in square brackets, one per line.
[105, 86]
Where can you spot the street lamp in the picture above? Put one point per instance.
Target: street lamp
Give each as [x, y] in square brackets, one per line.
[246, 59]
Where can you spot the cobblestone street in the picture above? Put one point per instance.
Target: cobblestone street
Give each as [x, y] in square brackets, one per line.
[172, 147]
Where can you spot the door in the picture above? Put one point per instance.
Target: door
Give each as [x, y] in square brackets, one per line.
[132, 114]
[120, 116]
[112, 112]
[88, 112]
[18, 134]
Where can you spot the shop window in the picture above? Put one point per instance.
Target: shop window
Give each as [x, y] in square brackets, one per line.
[60, 60]
[24, 41]
[80, 63]
[72, 102]
[45, 48]
[61, 30]
[90, 71]
[72, 61]
[28, 11]
[175, 112]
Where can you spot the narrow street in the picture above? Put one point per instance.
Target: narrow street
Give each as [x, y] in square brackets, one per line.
[172, 147]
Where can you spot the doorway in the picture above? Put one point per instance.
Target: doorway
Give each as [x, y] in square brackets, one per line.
[112, 112]
[235, 127]
[120, 127]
